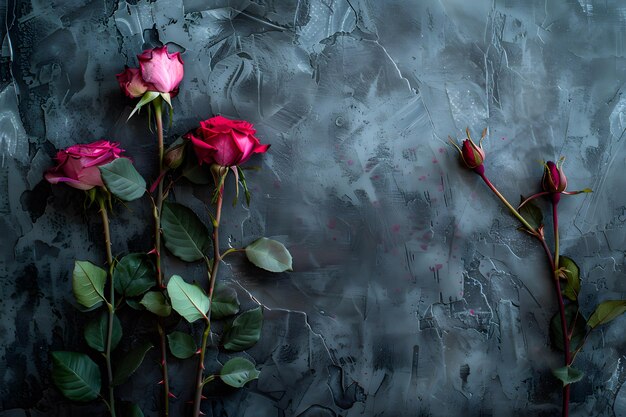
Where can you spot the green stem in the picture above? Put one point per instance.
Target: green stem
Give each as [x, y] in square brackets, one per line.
[559, 295]
[158, 116]
[217, 258]
[506, 203]
[110, 303]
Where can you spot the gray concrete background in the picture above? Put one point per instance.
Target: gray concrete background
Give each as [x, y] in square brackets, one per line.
[412, 292]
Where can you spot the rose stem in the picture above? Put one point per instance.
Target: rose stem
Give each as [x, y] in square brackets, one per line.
[110, 304]
[554, 265]
[158, 116]
[559, 295]
[217, 258]
[506, 203]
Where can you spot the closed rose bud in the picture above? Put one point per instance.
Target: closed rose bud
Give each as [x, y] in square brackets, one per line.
[472, 154]
[554, 180]
[175, 155]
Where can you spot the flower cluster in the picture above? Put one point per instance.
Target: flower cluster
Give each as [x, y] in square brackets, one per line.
[103, 172]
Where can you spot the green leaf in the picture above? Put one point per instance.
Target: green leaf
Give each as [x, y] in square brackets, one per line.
[130, 363]
[134, 304]
[607, 311]
[270, 255]
[88, 283]
[188, 300]
[134, 275]
[185, 235]
[244, 331]
[577, 327]
[96, 332]
[155, 302]
[237, 372]
[531, 213]
[145, 99]
[572, 274]
[181, 344]
[76, 375]
[225, 302]
[131, 410]
[122, 179]
[568, 375]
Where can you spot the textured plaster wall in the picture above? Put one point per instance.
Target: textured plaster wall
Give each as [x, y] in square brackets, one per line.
[412, 292]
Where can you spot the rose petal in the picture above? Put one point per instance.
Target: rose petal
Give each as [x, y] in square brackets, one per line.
[162, 69]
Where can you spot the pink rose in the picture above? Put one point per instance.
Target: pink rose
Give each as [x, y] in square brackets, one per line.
[132, 84]
[225, 142]
[158, 71]
[78, 165]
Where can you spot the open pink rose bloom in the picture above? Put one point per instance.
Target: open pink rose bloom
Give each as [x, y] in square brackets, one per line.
[158, 71]
[225, 142]
[77, 166]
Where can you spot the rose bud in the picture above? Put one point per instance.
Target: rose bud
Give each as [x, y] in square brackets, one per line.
[132, 84]
[175, 154]
[472, 155]
[78, 165]
[225, 142]
[161, 69]
[554, 180]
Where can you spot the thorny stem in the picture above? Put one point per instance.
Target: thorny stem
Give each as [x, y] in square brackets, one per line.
[559, 295]
[110, 304]
[554, 265]
[506, 203]
[214, 267]
[158, 116]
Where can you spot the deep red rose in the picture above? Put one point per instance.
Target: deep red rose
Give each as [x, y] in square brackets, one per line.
[77, 166]
[225, 142]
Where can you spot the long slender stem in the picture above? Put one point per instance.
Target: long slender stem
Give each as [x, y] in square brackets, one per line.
[217, 258]
[506, 203]
[554, 266]
[158, 116]
[110, 304]
[559, 295]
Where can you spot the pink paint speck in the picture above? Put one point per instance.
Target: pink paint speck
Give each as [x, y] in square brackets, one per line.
[441, 150]
[350, 162]
[424, 246]
[395, 228]
[472, 313]
[437, 267]
[435, 160]
[422, 178]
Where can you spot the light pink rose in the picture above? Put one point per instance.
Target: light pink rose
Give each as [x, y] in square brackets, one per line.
[78, 165]
[161, 69]
[158, 71]
[225, 142]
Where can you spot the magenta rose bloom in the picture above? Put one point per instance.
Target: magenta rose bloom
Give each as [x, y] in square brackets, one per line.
[158, 71]
[225, 142]
[78, 165]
